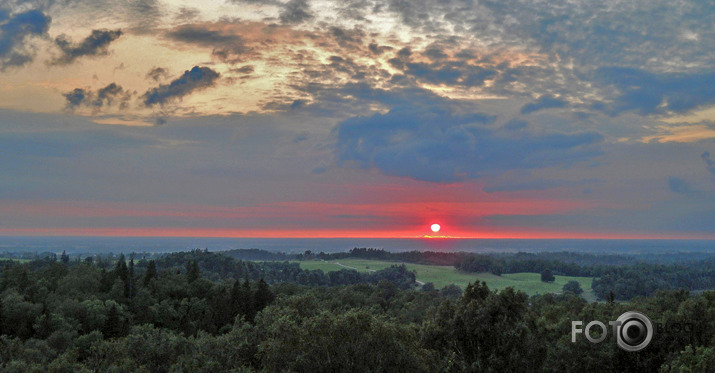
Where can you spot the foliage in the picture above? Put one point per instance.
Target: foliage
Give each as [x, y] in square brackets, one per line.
[573, 287]
[547, 276]
[79, 317]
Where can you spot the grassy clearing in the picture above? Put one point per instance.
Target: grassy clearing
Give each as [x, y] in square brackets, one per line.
[441, 276]
[16, 260]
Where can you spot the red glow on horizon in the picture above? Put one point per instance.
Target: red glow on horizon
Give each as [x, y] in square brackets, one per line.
[231, 233]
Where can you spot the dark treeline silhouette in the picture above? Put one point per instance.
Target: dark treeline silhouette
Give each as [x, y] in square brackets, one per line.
[165, 314]
[217, 267]
[645, 279]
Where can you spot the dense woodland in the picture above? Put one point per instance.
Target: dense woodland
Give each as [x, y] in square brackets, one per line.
[204, 312]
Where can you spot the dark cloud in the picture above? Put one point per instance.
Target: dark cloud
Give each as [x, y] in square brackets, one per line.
[593, 33]
[76, 97]
[157, 73]
[678, 185]
[144, 15]
[538, 184]
[346, 37]
[650, 93]
[428, 141]
[94, 45]
[543, 102]
[435, 53]
[441, 71]
[225, 45]
[247, 69]
[378, 49]
[296, 11]
[709, 162]
[201, 35]
[516, 125]
[451, 73]
[188, 14]
[14, 30]
[106, 96]
[569, 40]
[195, 79]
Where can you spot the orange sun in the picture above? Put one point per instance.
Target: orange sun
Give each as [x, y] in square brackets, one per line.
[435, 228]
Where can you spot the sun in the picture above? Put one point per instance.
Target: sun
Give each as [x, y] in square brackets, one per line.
[435, 228]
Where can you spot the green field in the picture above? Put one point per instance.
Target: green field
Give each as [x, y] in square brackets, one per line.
[441, 276]
[16, 260]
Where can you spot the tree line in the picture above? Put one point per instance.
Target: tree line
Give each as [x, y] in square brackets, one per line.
[168, 316]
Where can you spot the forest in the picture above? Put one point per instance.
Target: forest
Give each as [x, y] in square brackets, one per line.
[199, 311]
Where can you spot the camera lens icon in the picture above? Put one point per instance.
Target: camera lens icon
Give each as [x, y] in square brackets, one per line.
[634, 331]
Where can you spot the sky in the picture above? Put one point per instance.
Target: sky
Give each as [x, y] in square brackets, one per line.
[358, 118]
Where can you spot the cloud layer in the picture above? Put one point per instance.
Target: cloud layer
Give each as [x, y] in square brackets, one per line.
[428, 142]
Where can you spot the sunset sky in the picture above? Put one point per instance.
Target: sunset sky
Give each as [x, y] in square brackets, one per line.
[358, 118]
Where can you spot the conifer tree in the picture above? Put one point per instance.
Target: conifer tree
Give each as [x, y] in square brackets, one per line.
[150, 272]
[247, 306]
[64, 258]
[123, 273]
[130, 281]
[263, 296]
[192, 271]
[113, 324]
[237, 299]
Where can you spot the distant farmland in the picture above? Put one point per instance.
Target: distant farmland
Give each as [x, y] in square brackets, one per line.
[441, 276]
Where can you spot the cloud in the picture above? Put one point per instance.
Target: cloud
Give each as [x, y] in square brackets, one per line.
[106, 96]
[428, 141]
[516, 125]
[543, 102]
[710, 163]
[93, 45]
[14, 30]
[537, 184]
[650, 93]
[678, 185]
[195, 79]
[442, 71]
[296, 11]
[224, 44]
[247, 69]
[157, 73]
[202, 35]
[378, 49]
[627, 33]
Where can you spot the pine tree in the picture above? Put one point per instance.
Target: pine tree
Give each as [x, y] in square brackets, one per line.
[237, 299]
[131, 277]
[263, 296]
[247, 306]
[123, 273]
[64, 258]
[222, 308]
[113, 325]
[105, 282]
[150, 272]
[192, 271]
[24, 280]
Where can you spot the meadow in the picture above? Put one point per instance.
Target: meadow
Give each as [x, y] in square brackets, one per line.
[441, 276]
